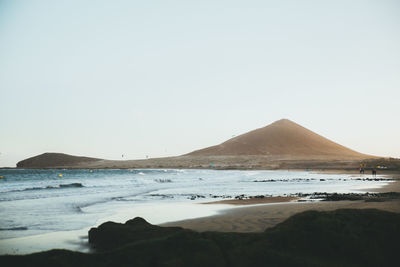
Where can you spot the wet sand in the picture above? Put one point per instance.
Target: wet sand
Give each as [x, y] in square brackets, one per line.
[253, 201]
[391, 187]
[257, 218]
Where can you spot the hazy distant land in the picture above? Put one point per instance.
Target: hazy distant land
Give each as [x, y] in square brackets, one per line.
[280, 145]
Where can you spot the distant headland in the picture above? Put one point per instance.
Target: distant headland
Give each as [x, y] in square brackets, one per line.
[281, 145]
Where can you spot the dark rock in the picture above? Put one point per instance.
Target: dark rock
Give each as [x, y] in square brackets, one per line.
[336, 238]
[110, 234]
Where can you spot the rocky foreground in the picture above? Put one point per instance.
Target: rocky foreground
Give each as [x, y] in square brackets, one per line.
[346, 237]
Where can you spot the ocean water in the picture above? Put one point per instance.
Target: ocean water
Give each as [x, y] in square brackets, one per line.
[38, 202]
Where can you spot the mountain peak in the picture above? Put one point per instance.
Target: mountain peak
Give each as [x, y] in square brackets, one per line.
[283, 121]
[280, 138]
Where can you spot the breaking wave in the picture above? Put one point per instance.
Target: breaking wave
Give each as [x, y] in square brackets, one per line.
[14, 228]
[60, 186]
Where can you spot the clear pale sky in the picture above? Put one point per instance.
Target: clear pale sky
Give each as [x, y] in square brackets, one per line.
[162, 78]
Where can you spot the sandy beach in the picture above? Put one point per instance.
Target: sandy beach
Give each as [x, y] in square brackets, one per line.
[262, 214]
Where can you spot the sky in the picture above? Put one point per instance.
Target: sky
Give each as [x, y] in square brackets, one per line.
[163, 78]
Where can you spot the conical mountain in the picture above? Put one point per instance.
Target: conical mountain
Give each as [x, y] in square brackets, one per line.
[281, 138]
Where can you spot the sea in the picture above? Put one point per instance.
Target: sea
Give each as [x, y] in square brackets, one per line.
[54, 208]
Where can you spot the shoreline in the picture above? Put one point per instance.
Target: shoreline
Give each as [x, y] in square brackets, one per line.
[253, 201]
[246, 215]
[258, 216]
[392, 185]
[77, 240]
